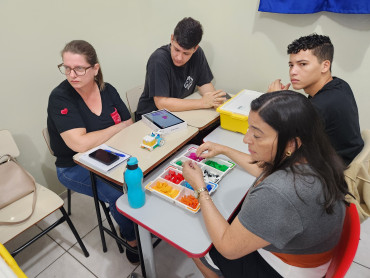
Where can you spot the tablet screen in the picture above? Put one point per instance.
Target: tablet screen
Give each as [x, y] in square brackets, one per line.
[163, 119]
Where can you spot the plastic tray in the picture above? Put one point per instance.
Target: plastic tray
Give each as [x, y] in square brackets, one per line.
[180, 187]
[211, 172]
[178, 190]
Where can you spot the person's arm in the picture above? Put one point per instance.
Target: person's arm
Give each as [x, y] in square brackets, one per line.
[178, 104]
[209, 99]
[208, 91]
[79, 140]
[231, 240]
[277, 86]
[244, 160]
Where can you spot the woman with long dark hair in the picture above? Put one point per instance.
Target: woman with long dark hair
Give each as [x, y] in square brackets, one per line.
[292, 216]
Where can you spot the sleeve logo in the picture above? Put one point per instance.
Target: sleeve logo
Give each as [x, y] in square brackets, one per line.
[116, 117]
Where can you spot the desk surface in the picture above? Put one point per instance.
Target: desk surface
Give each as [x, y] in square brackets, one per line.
[200, 118]
[228, 138]
[182, 229]
[128, 141]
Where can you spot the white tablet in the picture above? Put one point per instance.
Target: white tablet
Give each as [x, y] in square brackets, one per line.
[163, 120]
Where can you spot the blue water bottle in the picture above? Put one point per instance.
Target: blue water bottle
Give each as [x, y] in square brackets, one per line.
[133, 177]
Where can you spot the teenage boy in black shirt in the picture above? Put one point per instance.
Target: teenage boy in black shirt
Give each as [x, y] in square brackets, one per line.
[310, 63]
[174, 70]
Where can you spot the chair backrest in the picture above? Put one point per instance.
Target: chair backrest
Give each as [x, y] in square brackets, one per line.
[7, 144]
[45, 133]
[132, 97]
[347, 246]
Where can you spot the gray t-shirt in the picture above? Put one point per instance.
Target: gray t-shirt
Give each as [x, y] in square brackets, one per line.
[293, 223]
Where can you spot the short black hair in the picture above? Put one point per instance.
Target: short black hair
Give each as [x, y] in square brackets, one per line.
[188, 33]
[320, 45]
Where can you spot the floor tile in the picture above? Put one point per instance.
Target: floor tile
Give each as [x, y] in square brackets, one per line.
[105, 265]
[38, 256]
[362, 255]
[365, 227]
[172, 263]
[358, 271]
[83, 218]
[66, 266]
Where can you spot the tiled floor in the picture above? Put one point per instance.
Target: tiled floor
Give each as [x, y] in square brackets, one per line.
[57, 254]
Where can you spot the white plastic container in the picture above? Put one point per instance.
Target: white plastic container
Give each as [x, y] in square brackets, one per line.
[234, 113]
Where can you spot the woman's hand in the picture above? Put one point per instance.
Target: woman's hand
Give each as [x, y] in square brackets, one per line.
[193, 174]
[209, 149]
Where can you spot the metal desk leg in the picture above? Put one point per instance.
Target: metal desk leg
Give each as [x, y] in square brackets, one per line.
[95, 193]
[147, 249]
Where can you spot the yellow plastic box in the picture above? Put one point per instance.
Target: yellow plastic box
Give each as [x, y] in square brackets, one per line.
[234, 112]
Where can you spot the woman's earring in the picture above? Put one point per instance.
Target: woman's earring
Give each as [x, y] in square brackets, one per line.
[288, 153]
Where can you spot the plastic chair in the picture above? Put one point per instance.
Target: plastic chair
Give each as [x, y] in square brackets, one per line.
[47, 203]
[133, 96]
[45, 133]
[346, 249]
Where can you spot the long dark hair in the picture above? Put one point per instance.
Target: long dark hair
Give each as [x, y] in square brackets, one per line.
[292, 116]
[86, 49]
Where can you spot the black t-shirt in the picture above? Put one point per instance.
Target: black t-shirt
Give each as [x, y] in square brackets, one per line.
[337, 107]
[67, 110]
[165, 79]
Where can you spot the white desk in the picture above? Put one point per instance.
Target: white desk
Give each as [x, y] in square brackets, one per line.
[128, 141]
[200, 118]
[228, 138]
[182, 229]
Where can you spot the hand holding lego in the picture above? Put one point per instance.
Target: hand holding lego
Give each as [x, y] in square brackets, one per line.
[209, 149]
[193, 174]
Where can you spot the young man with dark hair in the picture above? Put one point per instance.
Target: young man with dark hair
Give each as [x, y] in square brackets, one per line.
[310, 69]
[174, 70]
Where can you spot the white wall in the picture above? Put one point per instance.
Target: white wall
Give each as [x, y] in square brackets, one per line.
[245, 49]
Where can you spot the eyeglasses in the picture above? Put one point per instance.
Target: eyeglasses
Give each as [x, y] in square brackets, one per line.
[79, 71]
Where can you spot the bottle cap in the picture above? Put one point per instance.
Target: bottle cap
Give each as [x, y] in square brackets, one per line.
[132, 163]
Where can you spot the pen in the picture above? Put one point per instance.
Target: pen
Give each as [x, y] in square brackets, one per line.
[118, 154]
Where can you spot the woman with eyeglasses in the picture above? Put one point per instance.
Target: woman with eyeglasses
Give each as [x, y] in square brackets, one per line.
[84, 112]
[292, 216]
